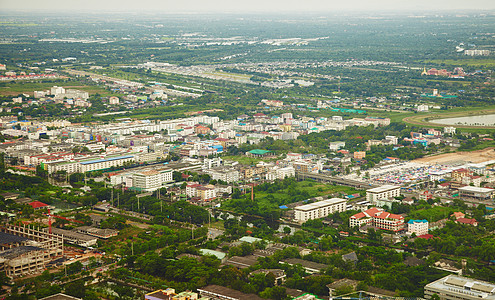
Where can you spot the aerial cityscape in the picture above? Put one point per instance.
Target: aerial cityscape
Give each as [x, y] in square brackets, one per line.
[223, 152]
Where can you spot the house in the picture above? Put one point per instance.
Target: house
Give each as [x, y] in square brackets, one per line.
[38, 205]
[467, 221]
[457, 215]
[350, 257]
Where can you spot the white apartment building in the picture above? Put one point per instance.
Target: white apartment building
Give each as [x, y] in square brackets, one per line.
[382, 192]
[392, 139]
[105, 163]
[449, 130]
[205, 193]
[113, 100]
[319, 209]
[419, 227]
[422, 107]
[335, 146]
[286, 172]
[151, 180]
[227, 175]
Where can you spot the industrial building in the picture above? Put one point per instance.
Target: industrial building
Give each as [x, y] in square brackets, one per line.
[453, 287]
[25, 250]
[478, 193]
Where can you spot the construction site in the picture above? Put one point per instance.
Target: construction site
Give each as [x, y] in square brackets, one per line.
[25, 250]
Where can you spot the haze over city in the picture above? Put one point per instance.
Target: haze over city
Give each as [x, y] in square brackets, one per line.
[247, 150]
[221, 6]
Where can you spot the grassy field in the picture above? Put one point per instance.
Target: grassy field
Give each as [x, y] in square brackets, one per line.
[313, 189]
[432, 214]
[14, 89]
[471, 62]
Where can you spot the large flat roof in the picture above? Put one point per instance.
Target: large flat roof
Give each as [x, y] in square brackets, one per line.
[105, 159]
[383, 188]
[476, 189]
[320, 204]
[460, 285]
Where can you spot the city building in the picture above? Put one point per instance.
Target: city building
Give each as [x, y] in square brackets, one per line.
[449, 130]
[378, 218]
[478, 193]
[422, 107]
[113, 100]
[224, 174]
[216, 292]
[477, 52]
[25, 250]
[319, 209]
[151, 180]
[418, 227]
[382, 192]
[453, 287]
[359, 155]
[334, 146]
[170, 294]
[458, 174]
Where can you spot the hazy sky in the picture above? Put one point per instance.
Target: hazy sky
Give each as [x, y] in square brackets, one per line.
[245, 5]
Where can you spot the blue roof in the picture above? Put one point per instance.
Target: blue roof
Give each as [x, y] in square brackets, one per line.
[105, 159]
[417, 221]
[283, 207]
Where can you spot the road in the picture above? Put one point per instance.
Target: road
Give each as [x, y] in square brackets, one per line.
[336, 180]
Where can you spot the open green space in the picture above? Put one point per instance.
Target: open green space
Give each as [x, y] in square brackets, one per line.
[478, 62]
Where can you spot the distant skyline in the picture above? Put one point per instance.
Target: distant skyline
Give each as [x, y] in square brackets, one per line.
[252, 6]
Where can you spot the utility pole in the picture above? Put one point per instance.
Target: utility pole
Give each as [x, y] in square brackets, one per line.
[160, 199]
[192, 228]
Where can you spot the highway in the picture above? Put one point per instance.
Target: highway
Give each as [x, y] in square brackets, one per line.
[336, 180]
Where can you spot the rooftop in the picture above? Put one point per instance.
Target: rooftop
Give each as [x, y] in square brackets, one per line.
[383, 188]
[463, 285]
[476, 189]
[320, 204]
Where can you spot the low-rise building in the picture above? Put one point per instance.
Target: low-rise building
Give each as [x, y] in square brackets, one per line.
[418, 227]
[379, 219]
[382, 192]
[478, 193]
[319, 209]
[453, 287]
[334, 146]
[225, 174]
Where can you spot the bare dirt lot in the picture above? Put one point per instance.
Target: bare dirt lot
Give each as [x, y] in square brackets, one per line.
[477, 156]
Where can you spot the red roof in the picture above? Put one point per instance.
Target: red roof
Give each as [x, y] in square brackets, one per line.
[358, 215]
[37, 204]
[467, 221]
[426, 236]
